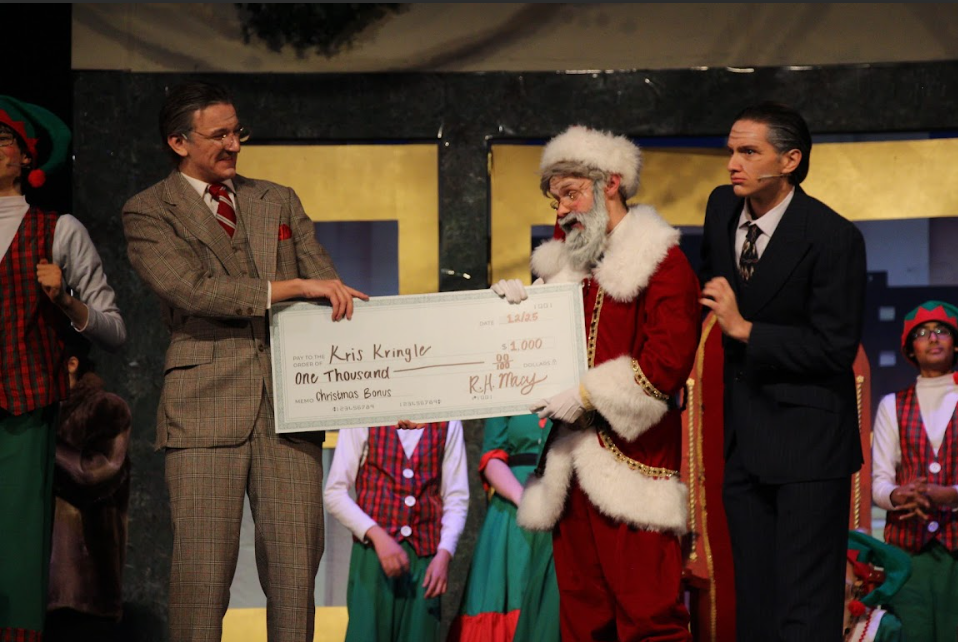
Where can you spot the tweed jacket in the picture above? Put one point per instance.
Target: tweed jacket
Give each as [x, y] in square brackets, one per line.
[214, 296]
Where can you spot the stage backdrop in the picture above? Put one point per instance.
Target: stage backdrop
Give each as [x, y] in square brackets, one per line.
[463, 117]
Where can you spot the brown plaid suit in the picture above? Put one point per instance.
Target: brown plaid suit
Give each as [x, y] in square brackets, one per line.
[215, 417]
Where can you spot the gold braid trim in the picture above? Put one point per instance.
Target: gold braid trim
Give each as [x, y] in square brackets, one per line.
[594, 324]
[648, 471]
[857, 477]
[693, 473]
[710, 322]
[645, 384]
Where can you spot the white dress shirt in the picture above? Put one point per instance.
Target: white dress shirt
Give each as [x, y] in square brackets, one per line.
[766, 223]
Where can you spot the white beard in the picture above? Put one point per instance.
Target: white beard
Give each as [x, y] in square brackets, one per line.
[586, 245]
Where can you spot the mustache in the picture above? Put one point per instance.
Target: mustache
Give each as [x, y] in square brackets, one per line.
[567, 221]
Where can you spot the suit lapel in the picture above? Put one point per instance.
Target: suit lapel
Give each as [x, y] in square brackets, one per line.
[198, 218]
[784, 251]
[261, 219]
[726, 261]
[731, 256]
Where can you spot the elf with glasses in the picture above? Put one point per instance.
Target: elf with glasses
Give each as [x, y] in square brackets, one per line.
[915, 474]
[51, 277]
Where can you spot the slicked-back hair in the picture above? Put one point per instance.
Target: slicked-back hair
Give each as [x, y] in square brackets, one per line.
[181, 104]
[787, 130]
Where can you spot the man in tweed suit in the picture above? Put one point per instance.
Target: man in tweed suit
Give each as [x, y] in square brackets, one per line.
[218, 248]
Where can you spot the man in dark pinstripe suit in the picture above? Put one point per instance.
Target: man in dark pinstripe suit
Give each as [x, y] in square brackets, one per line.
[785, 276]
[217, 249]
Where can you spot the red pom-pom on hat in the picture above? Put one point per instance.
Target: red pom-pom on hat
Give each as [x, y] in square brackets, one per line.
[37, 177]
[856, 608]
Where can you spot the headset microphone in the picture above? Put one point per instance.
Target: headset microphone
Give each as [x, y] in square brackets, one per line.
[766, 176]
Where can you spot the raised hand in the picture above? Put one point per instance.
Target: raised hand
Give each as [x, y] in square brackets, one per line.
[50, 277]
[565, 406]
[339, 295]
[511, 290]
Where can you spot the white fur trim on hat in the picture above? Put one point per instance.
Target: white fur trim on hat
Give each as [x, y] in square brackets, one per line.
[603, 150]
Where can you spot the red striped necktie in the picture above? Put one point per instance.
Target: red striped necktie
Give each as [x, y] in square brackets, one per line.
[225, 214]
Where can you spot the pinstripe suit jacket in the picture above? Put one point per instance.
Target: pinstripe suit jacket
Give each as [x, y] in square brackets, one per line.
[790, 393]
[214, 299]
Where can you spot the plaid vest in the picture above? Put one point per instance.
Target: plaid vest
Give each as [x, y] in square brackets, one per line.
[31, 344]
[403, 494]
[916, 458]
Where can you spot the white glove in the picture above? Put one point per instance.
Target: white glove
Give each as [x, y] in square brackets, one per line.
[512, 290]
[566, 406]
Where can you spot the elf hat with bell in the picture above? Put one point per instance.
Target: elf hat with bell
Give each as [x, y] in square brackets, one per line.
[31, 122]
[939, 311]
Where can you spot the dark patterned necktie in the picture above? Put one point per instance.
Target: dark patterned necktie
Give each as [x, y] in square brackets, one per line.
[749, 257]
[225, 214]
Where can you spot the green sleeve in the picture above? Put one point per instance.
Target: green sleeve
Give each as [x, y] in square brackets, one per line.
[495, 435]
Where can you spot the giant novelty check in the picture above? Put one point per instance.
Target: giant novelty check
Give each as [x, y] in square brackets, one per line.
[430, 357]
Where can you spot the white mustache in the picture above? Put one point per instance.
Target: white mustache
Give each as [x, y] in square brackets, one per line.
[567, 221]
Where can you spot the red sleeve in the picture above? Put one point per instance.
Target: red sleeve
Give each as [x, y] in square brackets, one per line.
[666, 347]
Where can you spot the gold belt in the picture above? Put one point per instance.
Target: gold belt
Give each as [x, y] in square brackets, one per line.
[654, 472]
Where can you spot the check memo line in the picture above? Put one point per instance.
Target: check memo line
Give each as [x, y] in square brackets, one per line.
[443, 365]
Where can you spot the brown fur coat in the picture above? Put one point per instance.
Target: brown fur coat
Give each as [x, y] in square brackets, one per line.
[92, 487]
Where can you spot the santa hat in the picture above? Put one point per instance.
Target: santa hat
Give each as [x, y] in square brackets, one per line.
[30, 122]
[939, 311]
[603, 151]
[865, 553]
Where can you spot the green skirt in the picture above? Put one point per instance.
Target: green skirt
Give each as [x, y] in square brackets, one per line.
[511, 591]
[384, 609]
[27, 446]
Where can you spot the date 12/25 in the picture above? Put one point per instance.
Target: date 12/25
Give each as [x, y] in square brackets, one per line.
[522, 317]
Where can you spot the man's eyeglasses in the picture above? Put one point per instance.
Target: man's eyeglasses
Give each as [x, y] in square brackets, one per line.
[939, 332]
[7, 139]
[241, 135]
[568, 199]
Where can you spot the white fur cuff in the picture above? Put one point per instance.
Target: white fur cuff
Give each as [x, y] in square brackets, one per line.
[623, 403]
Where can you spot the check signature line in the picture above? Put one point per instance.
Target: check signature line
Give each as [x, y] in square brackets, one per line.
[443, 365]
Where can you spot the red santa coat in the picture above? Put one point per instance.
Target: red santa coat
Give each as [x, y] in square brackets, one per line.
[650, 314]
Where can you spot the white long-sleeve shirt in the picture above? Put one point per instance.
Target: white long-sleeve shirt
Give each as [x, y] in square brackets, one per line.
[82, 269]
[454, 488]
[937, 399]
